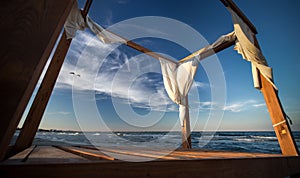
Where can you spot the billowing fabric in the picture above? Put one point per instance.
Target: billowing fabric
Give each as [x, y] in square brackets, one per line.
[223, 39]
[75, 22]
[178, 79]
[104, 35]
[245, 46]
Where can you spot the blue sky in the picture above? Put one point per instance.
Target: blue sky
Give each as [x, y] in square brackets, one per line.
[278, 28]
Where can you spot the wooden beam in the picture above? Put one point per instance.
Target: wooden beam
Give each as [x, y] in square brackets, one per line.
[278, 117]
[28, 31]
[238, 11]
[186, 130]
[40, 102]
[141, 48]
[208, 51]
[204, 54]
[213, 167]
[86, 154]
[41, 99]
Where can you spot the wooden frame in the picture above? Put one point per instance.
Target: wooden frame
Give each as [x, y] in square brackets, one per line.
[9, 124]
[42, 97]
[30, 30]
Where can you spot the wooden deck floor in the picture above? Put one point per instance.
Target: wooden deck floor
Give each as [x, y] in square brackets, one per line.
[77, 161]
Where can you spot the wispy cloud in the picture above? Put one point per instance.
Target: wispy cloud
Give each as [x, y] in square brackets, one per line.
[200, 84]
[58, 113]
[259, 105]
[240, 106]
[123, 1]
[128, 80]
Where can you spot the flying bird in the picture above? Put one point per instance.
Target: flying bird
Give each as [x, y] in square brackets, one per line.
[74, 74]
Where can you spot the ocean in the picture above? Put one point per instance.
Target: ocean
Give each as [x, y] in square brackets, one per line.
[255, 142]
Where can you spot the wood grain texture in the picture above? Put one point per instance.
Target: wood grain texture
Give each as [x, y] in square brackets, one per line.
[28, 30]
[47, 161]
[40, 102]
[86, 153]
[277, 115]
[283, 131]
[186, 129]
[239, 167]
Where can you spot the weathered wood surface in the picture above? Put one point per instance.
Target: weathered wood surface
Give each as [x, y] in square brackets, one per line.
[29, 30]
[44, 154]
[40, 102]
[280, 123]
[235, 8]
[49, 154]
[86, 153]
[277, 115]
[20, 157]
[54, 162]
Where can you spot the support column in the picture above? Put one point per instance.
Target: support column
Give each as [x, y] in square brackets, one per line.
[278, 117]
[280, 123]
[41, 99]
[186, 130]
[40, 102]
[28, 32]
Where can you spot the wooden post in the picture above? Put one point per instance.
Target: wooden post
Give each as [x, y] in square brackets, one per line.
[40, 102]
[280, 123]
[28, 31]
[278, 117]
[186, 130]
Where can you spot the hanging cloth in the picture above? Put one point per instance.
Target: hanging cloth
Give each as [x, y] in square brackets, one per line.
[75, 22]
[245, 46]
[178, 79]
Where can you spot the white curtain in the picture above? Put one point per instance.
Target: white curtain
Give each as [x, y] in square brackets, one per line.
[245, 46]
[75, 22]
[178, 79]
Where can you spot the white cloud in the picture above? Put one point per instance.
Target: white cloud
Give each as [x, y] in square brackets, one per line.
[259, 105]
[58, 113]
[123, 77]
[240, 106]
[199, 84]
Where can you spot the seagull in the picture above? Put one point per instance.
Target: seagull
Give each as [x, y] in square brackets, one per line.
[74, 74]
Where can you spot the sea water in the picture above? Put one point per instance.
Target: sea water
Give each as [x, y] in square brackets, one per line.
[256, 142]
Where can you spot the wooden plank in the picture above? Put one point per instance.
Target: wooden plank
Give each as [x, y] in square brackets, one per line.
[200, 154]
[185, 130]
[29, 31]
[237, 10]
[137, 153]
[247, 167]
[277, 115]
[280, 123]
[49, 154]
[181, 154]
[208, 50]
[20, 157]
[203, 55]
[40, 102]
[86, 153]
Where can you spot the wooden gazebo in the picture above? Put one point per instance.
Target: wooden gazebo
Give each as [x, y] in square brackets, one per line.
[30, 32]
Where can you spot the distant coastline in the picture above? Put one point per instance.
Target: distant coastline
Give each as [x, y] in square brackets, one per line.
[148, 131]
